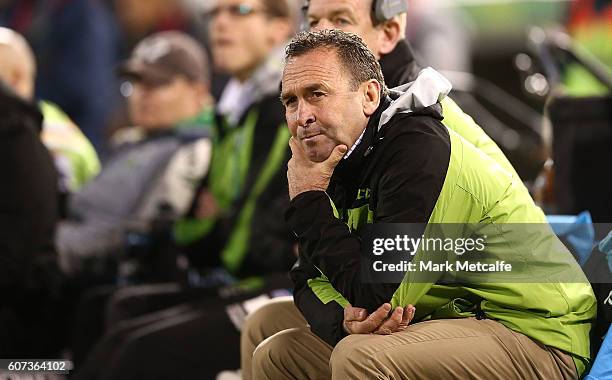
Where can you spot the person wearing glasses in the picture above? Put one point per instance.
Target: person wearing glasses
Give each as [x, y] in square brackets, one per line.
[236, 224]
[238, 212]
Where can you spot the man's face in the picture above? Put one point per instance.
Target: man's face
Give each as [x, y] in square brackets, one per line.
[322, 107]
[241, 36]
[163, 106]
[353, 16]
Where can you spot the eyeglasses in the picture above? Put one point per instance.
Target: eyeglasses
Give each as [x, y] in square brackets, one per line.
[236, 10]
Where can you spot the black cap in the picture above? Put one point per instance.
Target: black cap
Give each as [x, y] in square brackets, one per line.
[162, 56]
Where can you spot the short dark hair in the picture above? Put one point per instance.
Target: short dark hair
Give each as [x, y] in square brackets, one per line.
[357, 59]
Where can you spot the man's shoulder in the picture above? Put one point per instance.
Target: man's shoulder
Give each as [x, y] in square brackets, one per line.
[271, 107]
[413, 146]
[412, 129]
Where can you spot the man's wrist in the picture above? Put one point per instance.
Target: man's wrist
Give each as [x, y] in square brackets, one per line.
[305, 209]
[307, 194]
[306, 190]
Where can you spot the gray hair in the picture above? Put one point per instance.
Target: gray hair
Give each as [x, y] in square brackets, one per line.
[357, 59]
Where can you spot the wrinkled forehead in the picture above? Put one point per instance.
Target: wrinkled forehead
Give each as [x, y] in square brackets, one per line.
[237, 2]
[320, 64]
[322, 8]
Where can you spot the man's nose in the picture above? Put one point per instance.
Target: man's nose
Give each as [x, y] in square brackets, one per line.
[221, 20]
[305, 116]
[323, 24]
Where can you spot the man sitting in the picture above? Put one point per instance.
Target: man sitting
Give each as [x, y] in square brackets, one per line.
[157, 164]
[362, 154]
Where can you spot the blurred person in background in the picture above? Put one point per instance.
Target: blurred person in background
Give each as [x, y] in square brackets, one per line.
[137, 19]
[76, 44]
[235, 237]
[154, 165]
[246, 177]
[31, 323]
[382, 26]
[75, 158]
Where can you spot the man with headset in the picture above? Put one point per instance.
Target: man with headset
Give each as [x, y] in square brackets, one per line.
[381, 24]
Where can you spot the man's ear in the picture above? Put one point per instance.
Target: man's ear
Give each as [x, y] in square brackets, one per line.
[390, 34]
[371, 96]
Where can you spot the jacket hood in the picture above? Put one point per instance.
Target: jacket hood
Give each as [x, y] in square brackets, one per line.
[428, 89]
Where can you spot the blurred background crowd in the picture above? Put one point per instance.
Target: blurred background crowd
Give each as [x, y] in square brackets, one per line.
[499, 52]
[535, 75]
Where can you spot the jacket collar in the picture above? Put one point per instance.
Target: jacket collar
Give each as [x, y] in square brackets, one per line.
[420, 97]
[347, 166]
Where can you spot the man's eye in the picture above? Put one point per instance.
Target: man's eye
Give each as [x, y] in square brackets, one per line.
[289, 102]
[342, 22]
[313, 23]
[318, 94]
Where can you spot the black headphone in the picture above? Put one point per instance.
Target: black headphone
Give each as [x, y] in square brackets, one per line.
[387, 9]
[382, 10]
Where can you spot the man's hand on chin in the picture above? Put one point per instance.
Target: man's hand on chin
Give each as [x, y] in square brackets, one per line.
[304, 175]
[357, 320]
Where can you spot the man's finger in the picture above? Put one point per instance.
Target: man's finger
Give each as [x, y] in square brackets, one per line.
[391, 324]
[354, 314]
[335, 156]
[408, 315]
[368, 325]
[371, 323]
[375, 319]
[296, 149]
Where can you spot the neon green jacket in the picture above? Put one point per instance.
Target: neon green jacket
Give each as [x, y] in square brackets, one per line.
[555, 307]
[74, 155]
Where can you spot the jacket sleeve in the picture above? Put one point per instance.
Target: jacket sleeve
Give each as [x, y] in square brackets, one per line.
[407, 193]
[321, 305]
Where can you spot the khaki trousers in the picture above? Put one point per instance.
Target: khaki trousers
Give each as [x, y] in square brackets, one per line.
[440, 349]
[277, 315]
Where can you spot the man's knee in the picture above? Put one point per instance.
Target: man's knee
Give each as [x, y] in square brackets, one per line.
[275, 316]
[259, 321]
[364, 356]
[349, 353]
[276, 351]
[276, 347]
